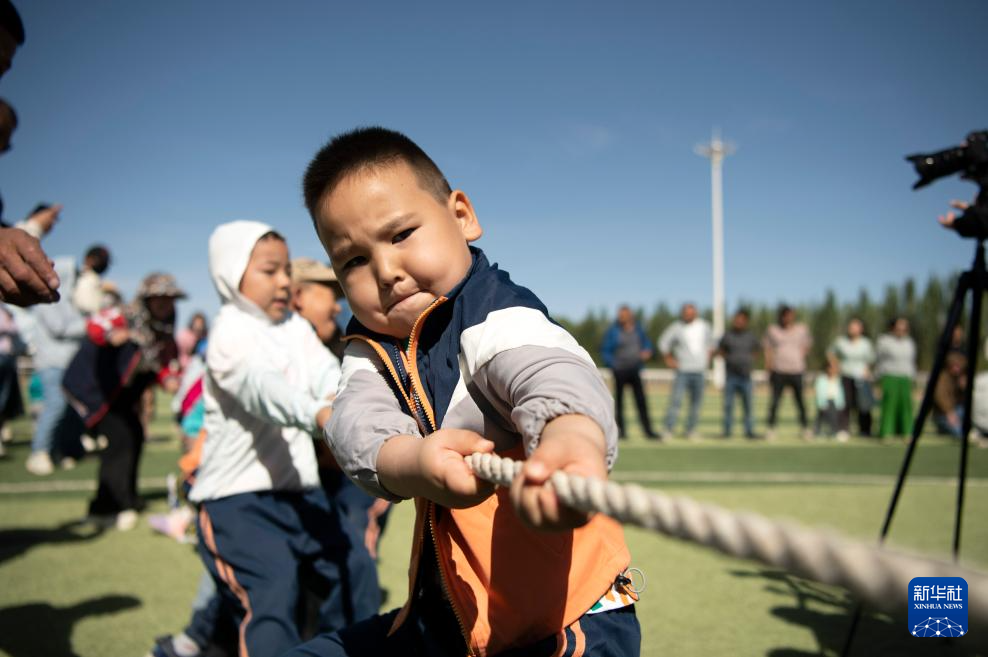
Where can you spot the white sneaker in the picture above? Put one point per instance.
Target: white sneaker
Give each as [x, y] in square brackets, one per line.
[127, 520]
[843, 436]
[89, 444]
[68, 463]
[769, 435]
[6, 434]
[39, 463]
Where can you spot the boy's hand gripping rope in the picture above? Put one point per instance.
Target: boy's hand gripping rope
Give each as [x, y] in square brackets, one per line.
[876, 575]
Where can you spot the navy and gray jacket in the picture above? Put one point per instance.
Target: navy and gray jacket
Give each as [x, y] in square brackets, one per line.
[486, 357]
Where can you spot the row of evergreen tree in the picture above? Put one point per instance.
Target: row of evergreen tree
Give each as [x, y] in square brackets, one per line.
[926, 310]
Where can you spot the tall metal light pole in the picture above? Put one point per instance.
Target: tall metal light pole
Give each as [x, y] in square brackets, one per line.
[717, 150]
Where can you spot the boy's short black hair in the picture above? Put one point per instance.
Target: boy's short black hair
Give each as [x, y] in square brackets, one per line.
[364, 148]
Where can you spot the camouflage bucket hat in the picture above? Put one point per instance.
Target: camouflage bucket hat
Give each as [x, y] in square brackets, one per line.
[159, 285]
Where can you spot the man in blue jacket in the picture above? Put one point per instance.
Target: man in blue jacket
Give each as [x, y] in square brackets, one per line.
[625, 350]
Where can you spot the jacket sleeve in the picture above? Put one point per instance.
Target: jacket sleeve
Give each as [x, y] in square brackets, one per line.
[366, 414]
[537, 370]
[260, 388]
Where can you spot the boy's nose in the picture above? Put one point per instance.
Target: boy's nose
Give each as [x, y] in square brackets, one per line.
[388, 272]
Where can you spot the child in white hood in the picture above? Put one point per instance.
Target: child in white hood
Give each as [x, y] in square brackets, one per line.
[263, 517]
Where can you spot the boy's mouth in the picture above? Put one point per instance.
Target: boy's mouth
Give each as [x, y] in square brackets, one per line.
[400, 301]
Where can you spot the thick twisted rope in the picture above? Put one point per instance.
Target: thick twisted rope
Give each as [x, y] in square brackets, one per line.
[876, 575]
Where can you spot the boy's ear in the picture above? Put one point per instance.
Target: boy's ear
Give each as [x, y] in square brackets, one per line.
[461, 208]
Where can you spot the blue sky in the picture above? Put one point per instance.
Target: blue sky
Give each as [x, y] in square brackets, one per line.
[571, 125]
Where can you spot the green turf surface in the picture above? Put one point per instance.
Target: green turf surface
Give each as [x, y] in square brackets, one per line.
[67, 590]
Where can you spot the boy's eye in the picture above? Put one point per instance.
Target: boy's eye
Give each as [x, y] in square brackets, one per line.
[402, 236]
[354, 262]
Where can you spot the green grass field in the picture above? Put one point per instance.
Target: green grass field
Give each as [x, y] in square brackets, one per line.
[68, 590]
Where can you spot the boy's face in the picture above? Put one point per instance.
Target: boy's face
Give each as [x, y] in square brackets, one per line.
[394, 246]
[267, 280]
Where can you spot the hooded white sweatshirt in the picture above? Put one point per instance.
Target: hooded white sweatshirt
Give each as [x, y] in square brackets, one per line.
[264, 384]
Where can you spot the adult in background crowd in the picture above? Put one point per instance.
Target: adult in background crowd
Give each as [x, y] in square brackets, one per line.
[854, 356]
[686, 347]
[738, 347]
[59, 330]
[786, 346]
[88, 293]
[106, 380]
[625, 350]
[896, 368]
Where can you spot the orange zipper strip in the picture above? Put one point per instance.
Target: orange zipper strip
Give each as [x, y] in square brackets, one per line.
[413, 370]
[383, 355]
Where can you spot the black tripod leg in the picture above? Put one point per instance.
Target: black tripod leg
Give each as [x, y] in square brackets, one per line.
[953, 319]
[973, 344]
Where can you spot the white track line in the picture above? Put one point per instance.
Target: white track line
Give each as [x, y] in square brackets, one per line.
[650, 476]
[68, 486]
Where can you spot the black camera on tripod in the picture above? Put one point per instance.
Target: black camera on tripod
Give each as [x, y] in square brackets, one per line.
[970, 159]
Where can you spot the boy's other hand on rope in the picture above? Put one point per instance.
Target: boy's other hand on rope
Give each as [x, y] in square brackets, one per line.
[571, 443]
[434, 467]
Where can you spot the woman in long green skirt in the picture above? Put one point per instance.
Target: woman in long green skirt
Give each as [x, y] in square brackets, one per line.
[896, 365]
